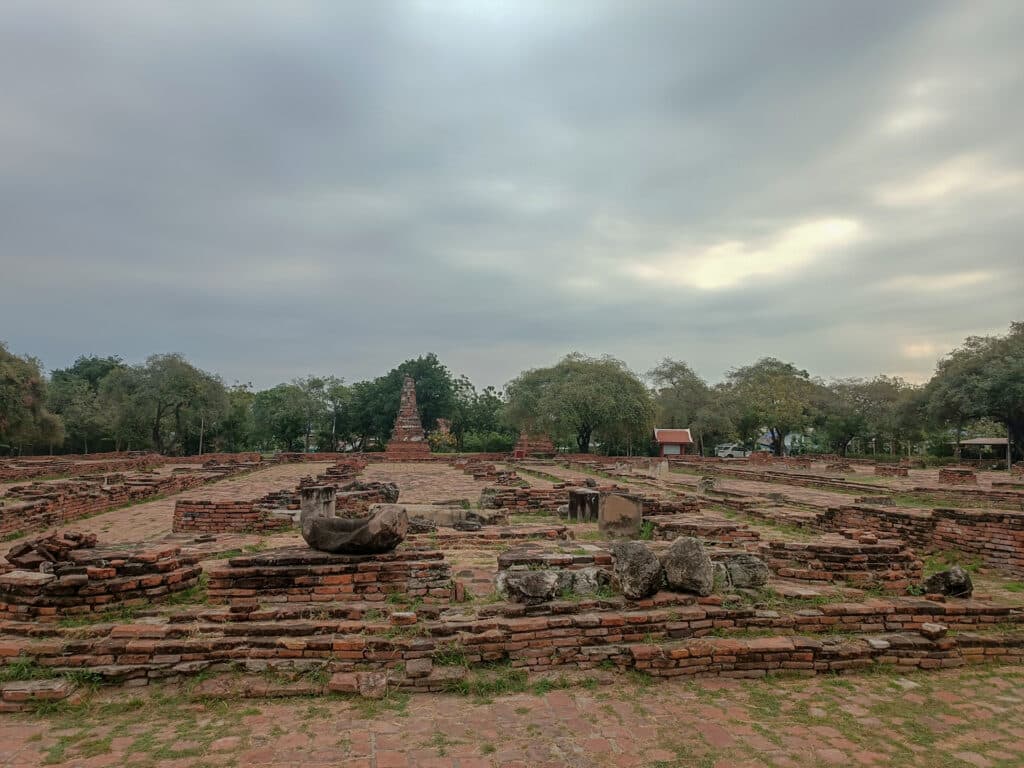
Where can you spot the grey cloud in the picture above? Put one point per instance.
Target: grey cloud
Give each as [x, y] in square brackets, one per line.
[334, 187]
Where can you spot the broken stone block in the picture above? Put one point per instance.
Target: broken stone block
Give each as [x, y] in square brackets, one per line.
[529, 587]
[637, 570]
[955, 582]
[418, 667]
[688, 567]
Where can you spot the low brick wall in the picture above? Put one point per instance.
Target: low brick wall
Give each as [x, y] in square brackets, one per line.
[42, 505]
[28, 468]
[957, 476]
[709, 531]
[916, 527]
[658, 635]
[525, 499]
[301, 574]
[199, 516]
[95, 580]
[997, 537]
[888, 564]
[891, 470]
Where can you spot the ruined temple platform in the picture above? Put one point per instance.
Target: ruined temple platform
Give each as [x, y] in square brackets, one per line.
[300, 574]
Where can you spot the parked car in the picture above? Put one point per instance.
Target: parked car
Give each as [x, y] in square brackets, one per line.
[731, 451]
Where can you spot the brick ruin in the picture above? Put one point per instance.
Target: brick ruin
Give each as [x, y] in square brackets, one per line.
[838, 597]
[42, 505]
[407, 437]
[533, 445]
[95, 580]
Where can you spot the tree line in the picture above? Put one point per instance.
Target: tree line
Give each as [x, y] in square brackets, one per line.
[584, 403]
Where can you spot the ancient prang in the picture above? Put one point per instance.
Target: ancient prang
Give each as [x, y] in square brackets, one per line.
[407, 437]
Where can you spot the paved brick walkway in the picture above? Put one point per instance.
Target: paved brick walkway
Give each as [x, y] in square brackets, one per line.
[953, 718]
[423, 483]
[152, 519]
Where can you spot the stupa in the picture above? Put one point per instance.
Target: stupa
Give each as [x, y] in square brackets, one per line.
[407, 438]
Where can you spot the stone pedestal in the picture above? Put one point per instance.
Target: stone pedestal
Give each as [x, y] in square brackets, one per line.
[620, 515]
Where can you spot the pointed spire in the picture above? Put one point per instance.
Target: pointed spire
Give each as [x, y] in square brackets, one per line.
[407, 437]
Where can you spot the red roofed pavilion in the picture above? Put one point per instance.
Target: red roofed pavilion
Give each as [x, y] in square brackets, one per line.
[673, 442]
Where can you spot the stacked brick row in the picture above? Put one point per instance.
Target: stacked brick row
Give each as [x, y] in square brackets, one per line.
[43, 505]
[250, 457]
[997, 537]
[584, 638]
[95, 580]
[886, 564]
[957, 476]
[914, 526]
[199, 516]
[305, 575]
[486, 471]
[524, 499]
[711, 531]
[26, 469]
[891, 470]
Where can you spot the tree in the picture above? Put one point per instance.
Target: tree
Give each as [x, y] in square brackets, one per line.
[237, 429]
[74, 394]
[585, 399]
[374, 404]
[478, 420]
[24, 419]
[174, 401]
[684, 400]
[280, 417]
[774, 395]
[983, 378]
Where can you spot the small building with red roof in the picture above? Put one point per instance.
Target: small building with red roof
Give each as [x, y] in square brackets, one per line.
[673, 442]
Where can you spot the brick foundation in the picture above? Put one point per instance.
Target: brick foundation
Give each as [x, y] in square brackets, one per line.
[888, 565]
[99, 579]
[301, 574]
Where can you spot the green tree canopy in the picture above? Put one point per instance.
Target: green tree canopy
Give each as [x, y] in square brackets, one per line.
[773, 395]
[983, 378]
[584, 399]
[683, 400]
[24, 418]
[374, 404]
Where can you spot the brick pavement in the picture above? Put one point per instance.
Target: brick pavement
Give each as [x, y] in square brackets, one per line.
[952, 718]
[152, 519]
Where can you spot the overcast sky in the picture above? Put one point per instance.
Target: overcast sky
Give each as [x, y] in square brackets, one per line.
[276, 189]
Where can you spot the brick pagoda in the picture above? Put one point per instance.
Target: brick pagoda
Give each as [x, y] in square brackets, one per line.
[407, 438]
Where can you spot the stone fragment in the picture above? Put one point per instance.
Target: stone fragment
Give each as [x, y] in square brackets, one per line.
[746, 571]
[933, 631]
[344, 682]
[637, 570]
[467, 525]
[589, 581]
[384, 530]
[955, 582]
[529, 587]
[418, 667]
[373, 685]
[688, 567]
